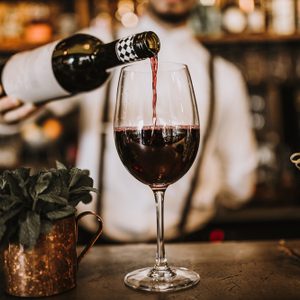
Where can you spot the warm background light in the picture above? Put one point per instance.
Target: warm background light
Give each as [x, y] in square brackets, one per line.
[246, 5]
[207, 2]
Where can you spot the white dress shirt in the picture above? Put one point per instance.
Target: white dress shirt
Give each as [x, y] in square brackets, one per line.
[228, 171]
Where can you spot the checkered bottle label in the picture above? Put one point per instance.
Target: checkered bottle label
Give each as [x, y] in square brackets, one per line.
[125, 50]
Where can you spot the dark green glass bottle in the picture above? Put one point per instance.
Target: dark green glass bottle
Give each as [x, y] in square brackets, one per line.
[75, 64]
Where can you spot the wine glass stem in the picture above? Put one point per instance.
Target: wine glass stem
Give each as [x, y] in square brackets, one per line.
[161, 260]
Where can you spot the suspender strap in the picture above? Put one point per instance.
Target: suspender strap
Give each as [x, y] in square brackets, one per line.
[197, 174]
[104, 121]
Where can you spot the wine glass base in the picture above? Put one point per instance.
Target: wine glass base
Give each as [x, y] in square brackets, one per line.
[177, 279]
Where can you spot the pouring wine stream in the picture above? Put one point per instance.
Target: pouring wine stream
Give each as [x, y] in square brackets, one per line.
[154, 68]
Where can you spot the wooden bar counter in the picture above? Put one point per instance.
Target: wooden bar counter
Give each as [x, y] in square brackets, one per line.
[230, 270]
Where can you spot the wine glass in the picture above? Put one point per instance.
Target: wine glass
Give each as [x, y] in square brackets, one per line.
[157, 142]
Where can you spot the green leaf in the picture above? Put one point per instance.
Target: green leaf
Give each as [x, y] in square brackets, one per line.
[46, 226]
[80, 177]
[61, 213]
[30, 229]
[53, 198]
[64, 180]
[57, 185]
[23, 182]
[83, 189]
[6, 216]
[3, 182]
[42, 182]
[2, 230]
[60, 166]
[84, 198]
[13, 184]
[75, 176]
[7, 202]
[22, 175]
[10, 234]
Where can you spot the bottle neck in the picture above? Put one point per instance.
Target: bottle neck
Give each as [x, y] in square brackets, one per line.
[130, 49]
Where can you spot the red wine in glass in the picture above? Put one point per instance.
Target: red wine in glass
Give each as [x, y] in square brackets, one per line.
[157, 156]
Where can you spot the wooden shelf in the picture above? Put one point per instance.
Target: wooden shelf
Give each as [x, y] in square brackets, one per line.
[249, 38]
[20, 45]
[81, 9]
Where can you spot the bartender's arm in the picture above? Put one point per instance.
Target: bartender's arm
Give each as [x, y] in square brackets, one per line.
[13, 110]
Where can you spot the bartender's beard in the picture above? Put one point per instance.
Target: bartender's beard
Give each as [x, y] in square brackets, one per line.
[170, 18]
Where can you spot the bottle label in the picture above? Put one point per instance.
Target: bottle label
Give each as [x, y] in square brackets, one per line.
[125, 50]
[28, 76]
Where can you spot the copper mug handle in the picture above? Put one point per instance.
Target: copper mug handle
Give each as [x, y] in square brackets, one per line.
[94, 238]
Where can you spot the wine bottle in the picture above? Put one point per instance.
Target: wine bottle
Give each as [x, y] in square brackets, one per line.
[234, 19]
[257, 18]
[281, 17]
[76, 64]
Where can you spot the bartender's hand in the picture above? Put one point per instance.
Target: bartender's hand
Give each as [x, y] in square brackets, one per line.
[13, 110]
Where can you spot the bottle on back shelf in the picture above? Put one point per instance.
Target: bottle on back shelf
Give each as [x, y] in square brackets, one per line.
[234, 19]
[281, 19]
[73, 65]
[257, 17]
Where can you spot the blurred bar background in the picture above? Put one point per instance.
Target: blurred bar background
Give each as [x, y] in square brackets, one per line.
[262, 37]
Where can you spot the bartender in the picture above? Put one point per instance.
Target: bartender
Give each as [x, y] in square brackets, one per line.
[224, 171]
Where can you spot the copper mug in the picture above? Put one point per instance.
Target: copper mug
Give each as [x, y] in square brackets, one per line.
[50, 267]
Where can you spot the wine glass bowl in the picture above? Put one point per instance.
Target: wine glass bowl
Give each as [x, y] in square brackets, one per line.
[157, 141]
[157, 156]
